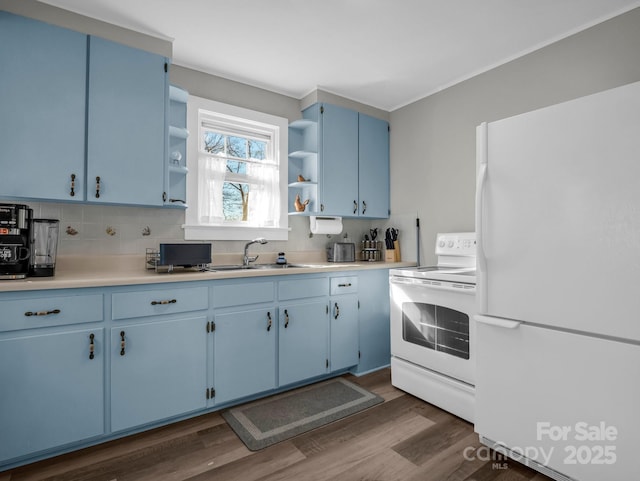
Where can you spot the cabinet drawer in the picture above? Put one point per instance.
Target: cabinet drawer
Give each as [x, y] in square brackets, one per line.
[344, 285]
[50, 311]
[301, 288]
[237, 294]
[126, 305]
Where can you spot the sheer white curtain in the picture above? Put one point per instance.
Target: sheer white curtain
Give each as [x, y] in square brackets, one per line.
[211, 173]
[264, 199]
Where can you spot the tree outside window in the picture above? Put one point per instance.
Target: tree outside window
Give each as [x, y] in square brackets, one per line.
[239, 152]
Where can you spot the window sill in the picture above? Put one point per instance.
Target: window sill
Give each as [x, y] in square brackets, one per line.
[209, 232]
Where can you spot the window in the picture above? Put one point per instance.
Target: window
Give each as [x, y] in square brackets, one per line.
[237, 164]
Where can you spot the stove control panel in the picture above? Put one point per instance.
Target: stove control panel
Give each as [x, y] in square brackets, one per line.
[456, 244]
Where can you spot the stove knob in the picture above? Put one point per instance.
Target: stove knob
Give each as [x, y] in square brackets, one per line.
[441, 243]
[450, 244]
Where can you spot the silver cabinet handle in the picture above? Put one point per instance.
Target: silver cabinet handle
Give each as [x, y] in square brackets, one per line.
[123, 343]
[92, 345]
[42, 313]
[170, 301]
[73, 185]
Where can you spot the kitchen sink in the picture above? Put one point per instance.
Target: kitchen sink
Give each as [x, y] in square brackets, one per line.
[273, 266]
[240, 267]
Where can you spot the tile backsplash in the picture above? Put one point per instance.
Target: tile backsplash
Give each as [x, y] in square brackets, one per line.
[112, 230]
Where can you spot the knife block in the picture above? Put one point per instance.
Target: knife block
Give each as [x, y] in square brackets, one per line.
[393, 255]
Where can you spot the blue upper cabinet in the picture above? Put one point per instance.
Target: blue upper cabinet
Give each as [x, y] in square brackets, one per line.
[339, 160]
[373, 167]
[343, 158]
[42, 113]
[75, 109]
[126, 124]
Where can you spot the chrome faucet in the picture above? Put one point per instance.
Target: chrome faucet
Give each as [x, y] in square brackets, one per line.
[246, 259]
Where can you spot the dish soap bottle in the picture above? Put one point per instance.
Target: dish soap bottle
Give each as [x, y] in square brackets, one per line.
[281, 259]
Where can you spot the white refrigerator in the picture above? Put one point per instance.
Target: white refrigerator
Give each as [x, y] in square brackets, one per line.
[558, 324]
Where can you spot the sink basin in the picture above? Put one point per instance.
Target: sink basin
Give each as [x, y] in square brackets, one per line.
[239, 267]
[273, 266]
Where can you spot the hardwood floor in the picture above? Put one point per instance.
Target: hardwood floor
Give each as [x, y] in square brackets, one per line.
[403, 438]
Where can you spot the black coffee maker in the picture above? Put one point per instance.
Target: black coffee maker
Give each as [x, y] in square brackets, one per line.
[15, 240]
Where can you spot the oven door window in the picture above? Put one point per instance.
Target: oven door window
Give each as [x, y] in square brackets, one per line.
[436, 327]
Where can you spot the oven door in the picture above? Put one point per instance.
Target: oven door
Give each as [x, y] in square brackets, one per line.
[431, 325]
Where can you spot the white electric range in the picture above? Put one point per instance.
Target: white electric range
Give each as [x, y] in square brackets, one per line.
[432, 335]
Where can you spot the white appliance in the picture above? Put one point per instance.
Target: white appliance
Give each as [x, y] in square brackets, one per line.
[558, 330]
[432, 336]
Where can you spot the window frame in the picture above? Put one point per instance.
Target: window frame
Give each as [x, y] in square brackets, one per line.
[193, 229]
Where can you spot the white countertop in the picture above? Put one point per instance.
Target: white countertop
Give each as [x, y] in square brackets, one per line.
[117, 270]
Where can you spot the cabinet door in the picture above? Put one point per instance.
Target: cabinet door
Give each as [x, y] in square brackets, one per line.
[303, 341]
[375, 344]
[126, 124]
[344, 331]
[159, 372]
[373, 167]
[42, 118]
[339, 161]
[244, 353]
[52, 391]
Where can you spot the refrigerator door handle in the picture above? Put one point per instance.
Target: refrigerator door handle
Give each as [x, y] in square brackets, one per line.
[482, 158]
[497, 321]
[482, 175]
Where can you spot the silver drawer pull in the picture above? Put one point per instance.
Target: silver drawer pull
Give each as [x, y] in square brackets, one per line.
[42, 313]
[345, 285]
[156, 303]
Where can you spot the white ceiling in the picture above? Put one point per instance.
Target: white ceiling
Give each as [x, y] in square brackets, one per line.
[384, 53]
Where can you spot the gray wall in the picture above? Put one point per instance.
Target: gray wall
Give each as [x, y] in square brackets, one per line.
[433, 140]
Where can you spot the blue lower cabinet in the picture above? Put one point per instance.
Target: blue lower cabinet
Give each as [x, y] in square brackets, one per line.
[158, 370]
[166, 350]
[344, 332]
[52, 391]
[244, 353]
[303, 341]
[375, 344]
